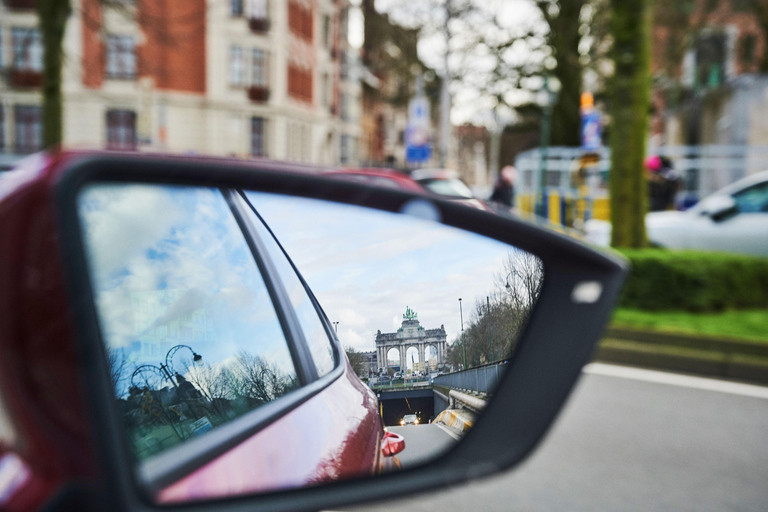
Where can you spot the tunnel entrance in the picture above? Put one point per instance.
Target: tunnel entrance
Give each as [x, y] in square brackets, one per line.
[393, 409]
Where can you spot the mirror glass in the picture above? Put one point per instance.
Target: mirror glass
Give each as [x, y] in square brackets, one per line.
[259, 342]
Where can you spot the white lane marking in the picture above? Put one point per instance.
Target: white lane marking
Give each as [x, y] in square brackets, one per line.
[445, 429]
[675, 379]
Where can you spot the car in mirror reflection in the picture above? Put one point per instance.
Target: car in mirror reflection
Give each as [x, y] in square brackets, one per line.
[409, 419]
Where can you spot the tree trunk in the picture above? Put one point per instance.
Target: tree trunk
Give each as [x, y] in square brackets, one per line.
[564, 40]
[630, 100]
[53, 16]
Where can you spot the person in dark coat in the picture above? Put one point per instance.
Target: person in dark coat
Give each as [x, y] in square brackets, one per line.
[663, 183]
[504, 190]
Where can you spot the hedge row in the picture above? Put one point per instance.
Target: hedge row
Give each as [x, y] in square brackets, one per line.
[694, 281]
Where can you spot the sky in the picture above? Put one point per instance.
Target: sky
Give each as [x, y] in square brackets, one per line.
[169, 265]
[366, 266]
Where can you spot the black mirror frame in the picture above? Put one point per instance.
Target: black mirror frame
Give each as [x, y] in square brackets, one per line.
[557, 343]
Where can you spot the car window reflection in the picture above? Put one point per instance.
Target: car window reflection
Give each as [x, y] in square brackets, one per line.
[191, 333]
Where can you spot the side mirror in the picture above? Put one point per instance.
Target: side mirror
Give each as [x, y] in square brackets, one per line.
[720, 207]
[217, 316]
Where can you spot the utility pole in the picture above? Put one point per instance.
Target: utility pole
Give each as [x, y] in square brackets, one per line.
[445, 96]
[490, 325]
[463, 345]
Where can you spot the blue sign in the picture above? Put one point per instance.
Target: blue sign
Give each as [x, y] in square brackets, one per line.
[418, 154]
[591, 130]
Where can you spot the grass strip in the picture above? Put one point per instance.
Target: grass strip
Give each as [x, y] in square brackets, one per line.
[749, 325]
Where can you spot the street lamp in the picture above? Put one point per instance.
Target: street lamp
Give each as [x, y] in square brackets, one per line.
[336, 326]
[166, 370]
[463, 345]
[547, 98]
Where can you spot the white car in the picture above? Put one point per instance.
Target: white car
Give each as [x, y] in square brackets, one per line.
[733, 219]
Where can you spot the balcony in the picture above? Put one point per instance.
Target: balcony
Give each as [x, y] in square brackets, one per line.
[258, 25]
[21, 4]
[258, 94]
[25, 78]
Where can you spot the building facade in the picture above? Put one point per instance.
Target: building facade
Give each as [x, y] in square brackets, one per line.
[412, 335]
[246, 78]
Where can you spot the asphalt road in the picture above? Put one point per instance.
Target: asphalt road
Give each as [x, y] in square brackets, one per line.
[422, 443]
[633, 445]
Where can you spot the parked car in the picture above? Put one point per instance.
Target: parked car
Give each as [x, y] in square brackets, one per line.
[733, 219]
[446, 183]
[159, 347]
[379, 177]
[441, 182]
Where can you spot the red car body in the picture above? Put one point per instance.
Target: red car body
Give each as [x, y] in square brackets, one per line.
[46, 438]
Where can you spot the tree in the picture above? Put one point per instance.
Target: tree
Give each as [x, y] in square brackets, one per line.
[565, 34]
[357, 361]
[53, 15]
[630, 101]
[497, 322]
[493, 61]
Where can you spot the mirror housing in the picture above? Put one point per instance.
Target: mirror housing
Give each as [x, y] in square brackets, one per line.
[558, 341]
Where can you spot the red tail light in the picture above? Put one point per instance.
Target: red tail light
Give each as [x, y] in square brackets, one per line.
[391, 444]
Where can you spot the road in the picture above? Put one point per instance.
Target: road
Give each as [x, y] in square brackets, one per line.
[423, 443]
[633, 445]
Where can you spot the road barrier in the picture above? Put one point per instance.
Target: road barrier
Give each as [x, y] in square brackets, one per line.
[575, 193]
[466, 401]
[482, 379]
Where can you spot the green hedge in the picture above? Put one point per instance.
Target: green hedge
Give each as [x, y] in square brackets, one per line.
[694, 281]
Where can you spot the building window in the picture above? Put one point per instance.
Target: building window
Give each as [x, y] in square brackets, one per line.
[27, 49]
[257, 136]
[347, 143]
[2, 129]
[121, 130]
[327, 31]
[300, 21]
[236, 7]
[236, 66]
[121, 57]
[29, 129]
[299, 83]
[258, 68]
[257, 9]
[325, 93]
[748, 44]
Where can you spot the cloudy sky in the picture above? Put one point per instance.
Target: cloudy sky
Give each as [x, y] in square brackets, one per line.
[170, 265]
[366, 266]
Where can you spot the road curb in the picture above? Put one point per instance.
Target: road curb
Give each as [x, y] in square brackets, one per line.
[686, 357]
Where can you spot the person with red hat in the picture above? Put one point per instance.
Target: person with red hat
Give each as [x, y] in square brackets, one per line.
[663, 183]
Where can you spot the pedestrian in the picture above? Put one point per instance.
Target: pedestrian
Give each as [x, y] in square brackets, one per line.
[663, 183]
[504, 190]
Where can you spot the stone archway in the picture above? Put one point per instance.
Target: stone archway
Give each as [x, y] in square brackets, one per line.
[411, 335]
[412, 355]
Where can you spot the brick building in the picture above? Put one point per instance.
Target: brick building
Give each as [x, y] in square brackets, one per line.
[225, 77]
[709, 64]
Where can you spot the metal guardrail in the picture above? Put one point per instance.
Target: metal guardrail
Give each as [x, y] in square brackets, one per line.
[482, 379]
[470, 402]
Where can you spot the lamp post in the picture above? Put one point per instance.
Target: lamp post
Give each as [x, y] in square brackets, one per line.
[336, 326]
[547, 99]
[166, 370]
[490, 325]
[463, 345]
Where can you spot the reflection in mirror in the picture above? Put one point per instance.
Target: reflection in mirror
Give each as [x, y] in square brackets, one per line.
[220, 313]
